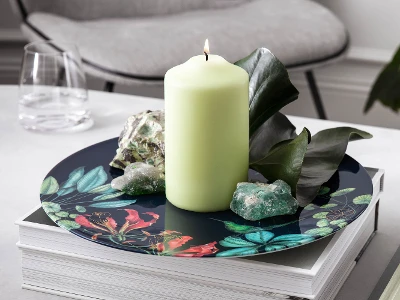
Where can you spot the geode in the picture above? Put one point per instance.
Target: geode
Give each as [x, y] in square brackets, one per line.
[142, 140]
[140, 179]
[256, 201]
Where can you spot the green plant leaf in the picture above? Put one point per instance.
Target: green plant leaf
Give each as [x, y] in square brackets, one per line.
[73, 216]
[232, 242]
[103, 189]
[111, 204]
[342, 192]
[329, 205]
[324, 154]
[363, 199]
[386, 88]
[68, 224]
[261, 237]
[73, 178]
[63, 192]
[270, 88]
[107, 196]
[80, 209]
[321, 215]
[323, 190]
[323, 223]
[284, 161]
[50, 207]
[238, 252]
[94, 178]
[62, 214]
[276, 129]
[49, 186]
[323, 231]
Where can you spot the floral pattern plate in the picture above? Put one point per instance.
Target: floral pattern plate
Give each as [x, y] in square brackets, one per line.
[77, 195]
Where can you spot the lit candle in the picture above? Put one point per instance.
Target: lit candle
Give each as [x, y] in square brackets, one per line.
[206, 132]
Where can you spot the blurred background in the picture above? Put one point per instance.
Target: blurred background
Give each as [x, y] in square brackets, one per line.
[373, 27]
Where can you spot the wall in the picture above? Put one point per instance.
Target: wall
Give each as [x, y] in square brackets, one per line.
[373, 26]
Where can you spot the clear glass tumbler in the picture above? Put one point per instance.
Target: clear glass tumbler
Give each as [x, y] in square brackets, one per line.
[52, 89]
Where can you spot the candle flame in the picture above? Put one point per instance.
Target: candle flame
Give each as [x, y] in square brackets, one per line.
[206, 47]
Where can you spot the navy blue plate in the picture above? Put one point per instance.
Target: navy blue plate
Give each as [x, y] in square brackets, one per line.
[76, 194]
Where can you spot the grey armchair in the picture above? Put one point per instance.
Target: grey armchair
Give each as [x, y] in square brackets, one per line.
[137, 41]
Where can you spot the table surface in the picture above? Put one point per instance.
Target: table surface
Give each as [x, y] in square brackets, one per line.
[27, 157]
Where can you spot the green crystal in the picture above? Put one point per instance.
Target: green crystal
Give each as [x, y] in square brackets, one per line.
[256, 201]
[142, 140]
[140, 179]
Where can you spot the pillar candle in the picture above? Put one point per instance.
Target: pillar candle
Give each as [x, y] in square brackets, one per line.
[206, 132]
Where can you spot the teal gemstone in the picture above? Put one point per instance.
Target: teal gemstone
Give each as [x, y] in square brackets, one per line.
[256, 201]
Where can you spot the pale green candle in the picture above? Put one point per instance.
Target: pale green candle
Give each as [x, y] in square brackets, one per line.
[206, 133]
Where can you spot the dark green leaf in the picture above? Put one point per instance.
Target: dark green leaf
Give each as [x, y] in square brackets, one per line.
[324, 154]
[270, 88]
[111, 204]
[276, 129]
[386, 88]
[284, 162]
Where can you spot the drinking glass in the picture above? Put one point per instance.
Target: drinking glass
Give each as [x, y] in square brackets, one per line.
[52, 89]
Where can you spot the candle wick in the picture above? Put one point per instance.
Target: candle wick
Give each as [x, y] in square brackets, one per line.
[206, 55]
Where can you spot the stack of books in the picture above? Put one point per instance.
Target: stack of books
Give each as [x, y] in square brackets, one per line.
[58, 262]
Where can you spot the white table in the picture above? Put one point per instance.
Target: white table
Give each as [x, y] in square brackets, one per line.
[27, 157]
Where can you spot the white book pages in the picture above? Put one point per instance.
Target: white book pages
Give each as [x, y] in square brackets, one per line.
[60, 271]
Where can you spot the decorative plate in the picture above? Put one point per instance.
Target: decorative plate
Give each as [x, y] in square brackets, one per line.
[76, 194]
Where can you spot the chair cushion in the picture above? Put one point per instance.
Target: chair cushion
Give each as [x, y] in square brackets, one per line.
[298, 32]
[96, 9]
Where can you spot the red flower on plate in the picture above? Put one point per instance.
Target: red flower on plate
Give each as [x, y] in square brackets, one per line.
[102, 221]
[198, 251]
[98, 220]
[133, 221]
[175, 243]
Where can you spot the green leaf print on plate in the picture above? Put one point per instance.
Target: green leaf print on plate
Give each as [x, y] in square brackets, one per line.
[363, 199]
[342, 192]
[49, 186]
[94, 178]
